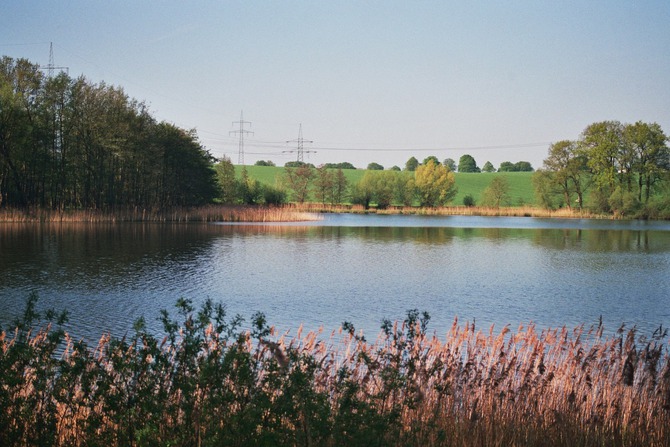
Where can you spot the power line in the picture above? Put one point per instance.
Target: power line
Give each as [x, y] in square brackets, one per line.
[241, 132]
[50, 67]
[276, 145]
[300, 140]
[434, 149]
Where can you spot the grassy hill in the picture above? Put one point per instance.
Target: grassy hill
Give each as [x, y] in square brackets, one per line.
[521, 186]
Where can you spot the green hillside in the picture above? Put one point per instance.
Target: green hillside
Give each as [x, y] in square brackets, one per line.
[521, 186]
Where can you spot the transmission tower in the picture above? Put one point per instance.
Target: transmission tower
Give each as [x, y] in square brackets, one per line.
[300, 140]
[241, 131]
[50, 67]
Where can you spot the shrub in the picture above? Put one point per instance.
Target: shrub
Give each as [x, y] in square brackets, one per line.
[468, 200]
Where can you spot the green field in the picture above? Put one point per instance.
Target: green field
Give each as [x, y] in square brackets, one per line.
[521, 187]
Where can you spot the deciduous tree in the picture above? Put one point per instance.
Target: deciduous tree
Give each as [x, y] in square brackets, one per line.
[411, 164]
[299, 180]
[651, 161]
[435, 184]
[467, 164]
[324, 182]
[567, 170]
[450, 163]
[225, 175]
[497, 193]
[340, 187]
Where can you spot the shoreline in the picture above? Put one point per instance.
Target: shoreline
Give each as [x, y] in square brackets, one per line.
[285, 213]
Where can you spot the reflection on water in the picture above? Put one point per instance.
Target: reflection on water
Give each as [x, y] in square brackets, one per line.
[344, 268]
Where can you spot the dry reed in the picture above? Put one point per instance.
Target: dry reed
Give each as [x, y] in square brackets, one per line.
[209, 213]
[284, 213]
[472, 388]
[508, 211]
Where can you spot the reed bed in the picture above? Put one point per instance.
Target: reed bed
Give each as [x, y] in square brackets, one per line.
[507, 211]
[209, 213]
[209, 382]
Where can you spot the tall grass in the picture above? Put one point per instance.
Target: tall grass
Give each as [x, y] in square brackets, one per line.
[209, 213]
[510, 211]
[298, 212]
[210, 382]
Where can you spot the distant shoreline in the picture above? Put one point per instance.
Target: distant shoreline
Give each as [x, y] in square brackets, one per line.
[284, 213]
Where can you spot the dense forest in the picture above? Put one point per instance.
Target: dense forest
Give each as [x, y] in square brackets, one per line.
[68, 143]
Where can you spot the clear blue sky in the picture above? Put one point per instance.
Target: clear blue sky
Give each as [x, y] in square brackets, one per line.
[369, 80]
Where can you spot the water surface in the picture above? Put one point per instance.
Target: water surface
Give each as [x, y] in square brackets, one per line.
[356, 268]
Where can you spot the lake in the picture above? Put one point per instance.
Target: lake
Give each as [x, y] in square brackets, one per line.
[356, 268]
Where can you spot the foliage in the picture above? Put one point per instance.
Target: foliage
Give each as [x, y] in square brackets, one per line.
[650, 156]
[601, 143]
[658, 206]
[214, 380]
[467, 164]
[404, 189]
[383, 188]
[488, 167]
[375, 167]
[363, 192]
[411, 164]
[273, 195]
[547, 190]
[450, 163]
[521, 186]
[432, 158]
[343, 165]
[497, 193]
[395, 168]
[66, 143]
[566, 168]
[264, 163]
[299, 180]
[323, 184]
[468, 200]
[329, 186]
[249, 190]
[340, 187]
[225, 175]
[244, 190]
[625, 163]
[519, 166]
[435, 184]
[297, 164]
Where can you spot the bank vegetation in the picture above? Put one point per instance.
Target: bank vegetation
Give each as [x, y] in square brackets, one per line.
[209, 381]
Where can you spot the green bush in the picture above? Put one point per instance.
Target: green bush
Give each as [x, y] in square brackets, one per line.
[468, 200]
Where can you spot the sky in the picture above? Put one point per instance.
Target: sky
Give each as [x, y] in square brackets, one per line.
[368, 81]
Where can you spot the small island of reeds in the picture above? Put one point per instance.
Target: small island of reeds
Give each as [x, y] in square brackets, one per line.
[209, 381]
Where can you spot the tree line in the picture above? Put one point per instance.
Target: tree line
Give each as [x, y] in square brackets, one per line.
[68, 143]
[430, 185]
[466, 163]
[621, 168]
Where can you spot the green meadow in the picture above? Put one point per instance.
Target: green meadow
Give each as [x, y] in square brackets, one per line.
[520, 183]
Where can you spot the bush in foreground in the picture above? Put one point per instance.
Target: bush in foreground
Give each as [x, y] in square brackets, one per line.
[209, 382]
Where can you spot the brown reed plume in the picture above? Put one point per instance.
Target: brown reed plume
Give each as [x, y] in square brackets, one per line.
[209, 382]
